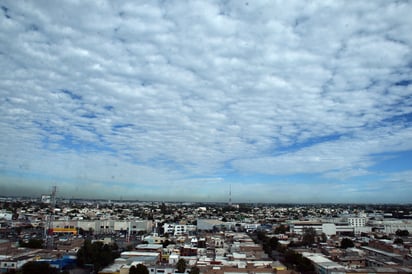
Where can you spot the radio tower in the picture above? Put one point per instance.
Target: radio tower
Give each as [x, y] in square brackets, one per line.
[48, 234]
[230, 195]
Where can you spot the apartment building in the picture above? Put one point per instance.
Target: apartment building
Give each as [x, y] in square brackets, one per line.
[357, 221]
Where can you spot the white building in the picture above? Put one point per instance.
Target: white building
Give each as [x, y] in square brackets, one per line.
[169, 228]
[6, 215]
[322, 264]
[392, 225]
[356, 221]
[177, 230]
[327, 228]
[180, 230]
[299, 227]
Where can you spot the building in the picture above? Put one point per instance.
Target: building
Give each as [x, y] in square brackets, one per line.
[104, 226]
[208, 224]
[322, 264]
[356, 221]
[4, 215]
[329, 229]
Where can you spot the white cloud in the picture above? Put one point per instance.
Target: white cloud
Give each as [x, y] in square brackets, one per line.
[176, 90]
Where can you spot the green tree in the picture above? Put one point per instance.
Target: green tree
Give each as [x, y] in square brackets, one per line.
[402, 233]
[398, 241]
[309, 235]
[298, 262]
[133, 270]
[194, 270]
[166, 243]
[38, 268]
[97, 254]
[138, 269]
[142, 269]
[181, 266]
[274, 242]
[346, 243]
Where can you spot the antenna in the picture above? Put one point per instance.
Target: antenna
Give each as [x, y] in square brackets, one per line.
[230, 194]
[48, 233]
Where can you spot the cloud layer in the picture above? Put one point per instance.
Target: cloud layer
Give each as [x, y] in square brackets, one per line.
[177, 100]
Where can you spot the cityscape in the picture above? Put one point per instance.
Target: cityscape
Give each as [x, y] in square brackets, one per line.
[281, 102]
[72, 236]
[205, 137]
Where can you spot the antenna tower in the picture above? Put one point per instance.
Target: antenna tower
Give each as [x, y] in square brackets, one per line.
[48, 234]
[230, 195]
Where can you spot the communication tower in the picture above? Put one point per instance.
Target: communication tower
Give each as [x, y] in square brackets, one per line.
[230, 195]
[48, 228]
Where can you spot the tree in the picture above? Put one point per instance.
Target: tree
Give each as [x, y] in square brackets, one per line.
[298, 262]
[346, 243]
[38, 268]
[181, 266]
[97, 254]
[138, 269]
[308, 237]
[282, 229]
[194, 270]
[133, 270]
[398, 241]
[402, 233]
[274, 242]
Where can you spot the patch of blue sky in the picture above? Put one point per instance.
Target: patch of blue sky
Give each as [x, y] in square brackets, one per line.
[72, 143]
[392, 162]
[363, 180]
[117, 129]
[71, 94]
[48, 130]
[270, 179]
[5, 12]
[163, 161]
[404, 101]
[403, 83]
[108, 107]
[89, 115]
[129, 184]
[27, 173]
[307, 143]
[32, 27]
[121, 126]
[405, 119]
[69, 142]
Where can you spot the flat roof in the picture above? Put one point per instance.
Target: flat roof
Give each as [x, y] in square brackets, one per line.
[389, 254]
[321, 260]
[139, 253]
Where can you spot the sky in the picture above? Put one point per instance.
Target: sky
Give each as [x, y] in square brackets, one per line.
[257, 101]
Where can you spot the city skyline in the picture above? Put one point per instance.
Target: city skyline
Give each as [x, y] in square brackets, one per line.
[199, 100]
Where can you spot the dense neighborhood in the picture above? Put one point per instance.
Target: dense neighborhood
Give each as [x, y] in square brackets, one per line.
[100, 236]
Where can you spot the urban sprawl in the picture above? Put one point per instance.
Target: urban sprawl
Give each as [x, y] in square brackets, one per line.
[96, 236]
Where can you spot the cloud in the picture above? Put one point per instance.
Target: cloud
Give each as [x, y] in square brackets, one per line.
[154, 92]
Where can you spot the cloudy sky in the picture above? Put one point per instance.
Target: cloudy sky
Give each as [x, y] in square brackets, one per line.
[279, 101]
